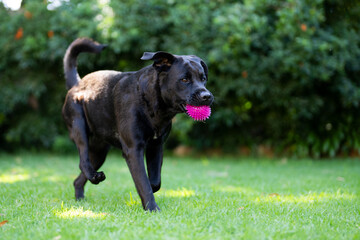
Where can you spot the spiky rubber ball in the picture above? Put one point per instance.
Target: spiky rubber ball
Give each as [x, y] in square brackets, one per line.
[198, 113]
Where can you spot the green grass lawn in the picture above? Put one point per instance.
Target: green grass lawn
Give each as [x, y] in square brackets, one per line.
[200, 199]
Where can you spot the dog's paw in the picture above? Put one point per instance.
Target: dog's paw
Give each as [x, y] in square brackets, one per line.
[79, 198]
[155, 187]
[79, 194]
[152, 207]
[97, 178]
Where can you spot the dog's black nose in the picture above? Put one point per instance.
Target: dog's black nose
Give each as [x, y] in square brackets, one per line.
[205, 96]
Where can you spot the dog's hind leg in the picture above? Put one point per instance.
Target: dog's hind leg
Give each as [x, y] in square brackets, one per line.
[77, 125]
[97, 155]
[79, 184]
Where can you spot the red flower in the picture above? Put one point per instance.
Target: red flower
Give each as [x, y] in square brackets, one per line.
[303, 27]
[244, 74]
[19, 34]
[50, 34]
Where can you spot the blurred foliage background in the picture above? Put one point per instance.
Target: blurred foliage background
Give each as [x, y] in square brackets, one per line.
[284, 73]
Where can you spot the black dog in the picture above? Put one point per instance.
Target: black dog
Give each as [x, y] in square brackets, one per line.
[131, 111]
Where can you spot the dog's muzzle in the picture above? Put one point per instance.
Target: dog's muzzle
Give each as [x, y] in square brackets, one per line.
[201, 98]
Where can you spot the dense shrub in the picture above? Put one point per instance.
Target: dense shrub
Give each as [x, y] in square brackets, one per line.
[287, 75]
[289, 71]
[283, 72]
[33, 42]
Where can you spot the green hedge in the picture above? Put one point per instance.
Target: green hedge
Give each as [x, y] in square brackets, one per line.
[284, 73]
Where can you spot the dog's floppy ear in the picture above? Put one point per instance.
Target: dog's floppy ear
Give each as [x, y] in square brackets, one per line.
[162, 60]
[203, 64]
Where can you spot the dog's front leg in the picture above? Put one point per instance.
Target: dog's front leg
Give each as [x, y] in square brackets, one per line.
[154, 160]
[135, 160]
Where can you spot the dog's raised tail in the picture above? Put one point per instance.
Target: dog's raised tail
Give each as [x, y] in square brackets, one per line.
[70, 66]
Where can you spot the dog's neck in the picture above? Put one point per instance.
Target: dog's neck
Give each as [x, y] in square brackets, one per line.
[157, 111]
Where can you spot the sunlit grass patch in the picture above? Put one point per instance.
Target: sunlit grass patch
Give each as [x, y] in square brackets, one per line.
[183, 192]
[6, 178]
[14, 175]
[53, 178]
[306, 198]
[74, 212]
[234, 189]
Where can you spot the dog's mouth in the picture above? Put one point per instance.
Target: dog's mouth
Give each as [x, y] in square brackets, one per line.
[183, 107]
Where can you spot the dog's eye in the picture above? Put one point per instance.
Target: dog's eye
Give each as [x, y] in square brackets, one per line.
[185, 80]
[203, 79]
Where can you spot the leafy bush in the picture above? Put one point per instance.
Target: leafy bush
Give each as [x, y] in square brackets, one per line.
[33, 42]
[282, 72]
[289, 72]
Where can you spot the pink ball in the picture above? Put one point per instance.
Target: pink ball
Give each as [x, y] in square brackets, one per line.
[198, 113]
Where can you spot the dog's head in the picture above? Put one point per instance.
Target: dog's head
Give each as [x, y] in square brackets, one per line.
[182, 79]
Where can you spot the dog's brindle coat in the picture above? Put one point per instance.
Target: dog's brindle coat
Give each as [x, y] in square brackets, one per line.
[131, 111]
